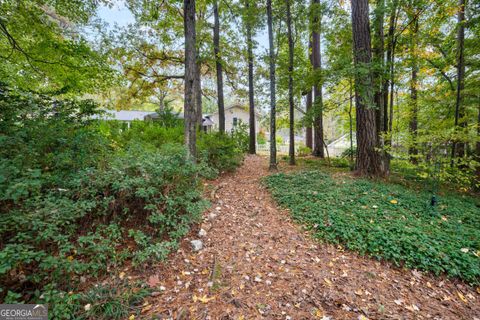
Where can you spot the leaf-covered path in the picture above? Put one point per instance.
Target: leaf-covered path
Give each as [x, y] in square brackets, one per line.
[258, 264]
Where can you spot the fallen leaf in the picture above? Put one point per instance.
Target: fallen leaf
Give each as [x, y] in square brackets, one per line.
[132, 317]
[153, 281]
[393, 201]
[121, 275]
[359, 292]
[327, 281]
[462, 297]
[318, 313]
[203, 299]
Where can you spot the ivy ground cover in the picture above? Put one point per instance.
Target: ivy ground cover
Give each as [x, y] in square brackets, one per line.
[386, 221]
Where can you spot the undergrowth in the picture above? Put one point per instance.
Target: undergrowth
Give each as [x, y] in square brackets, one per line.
[386, 221]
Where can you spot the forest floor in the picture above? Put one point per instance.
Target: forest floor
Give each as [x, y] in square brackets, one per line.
[256, 263]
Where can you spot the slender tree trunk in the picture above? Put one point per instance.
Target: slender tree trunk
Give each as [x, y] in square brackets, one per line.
[218, 63]
[198, 91]
[318, 143]
[379, 63]
[291, 150]
[191, 68]
[350, 120]
[308, 129]
[273, 145]
[388, 80]
[368, 160]
[458, 148]
[251, 99]
[413, 125]
[478, 148]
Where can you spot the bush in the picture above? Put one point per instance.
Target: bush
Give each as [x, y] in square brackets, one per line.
[219, 151]
[304, 151]
[386, 221]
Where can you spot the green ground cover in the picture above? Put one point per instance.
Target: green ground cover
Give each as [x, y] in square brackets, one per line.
[386, 221]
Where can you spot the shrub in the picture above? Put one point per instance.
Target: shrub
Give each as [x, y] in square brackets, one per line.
[219, 151]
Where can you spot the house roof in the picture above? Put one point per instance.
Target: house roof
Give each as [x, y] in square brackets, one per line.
[122, 115]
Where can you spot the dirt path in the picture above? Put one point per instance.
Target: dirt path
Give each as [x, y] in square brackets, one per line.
[257, 264]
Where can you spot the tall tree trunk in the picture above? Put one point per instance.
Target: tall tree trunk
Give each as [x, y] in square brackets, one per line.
[218, 63]
[379, 76]
[379, 63]
[318, 143]
[458, 148]
[368, 160]
[191, 68]
[251, 99]
[350, 121]
[308, 129]
[291, 150]
[389, 80]
[273, 145]
[478, 147]
[413, 125]
[198, 90]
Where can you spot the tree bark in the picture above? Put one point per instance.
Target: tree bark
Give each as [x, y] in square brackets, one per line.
[318, 143]
[198, 91]
[478, 147]
[378, 54]
[251, 98]
[389, 80]
[308, 128]
[458, 148]
[368, 160]
[219, 67]
[413, 125]
[191, 68]
[291, 149]
[273, 145]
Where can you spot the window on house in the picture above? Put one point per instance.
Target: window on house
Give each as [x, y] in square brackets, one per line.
[235, 121]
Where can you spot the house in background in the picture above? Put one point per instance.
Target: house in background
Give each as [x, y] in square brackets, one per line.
[233, 116]
[126, 116]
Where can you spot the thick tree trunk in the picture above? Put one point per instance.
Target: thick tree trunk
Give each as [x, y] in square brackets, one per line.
[458, 148]
[368, 160]
[413, 125]
[291, 150]
[191, 68]
[218, 63]
[318, 143]
[273, 145]
[251, 99]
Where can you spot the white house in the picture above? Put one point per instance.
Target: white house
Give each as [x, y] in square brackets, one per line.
[233, 115]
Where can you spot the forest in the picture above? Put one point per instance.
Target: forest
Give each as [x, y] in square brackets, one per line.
[283, 159]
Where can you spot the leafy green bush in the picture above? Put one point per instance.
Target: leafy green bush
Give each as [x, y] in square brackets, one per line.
[304, 151]
[220, 151]
[386, 221]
